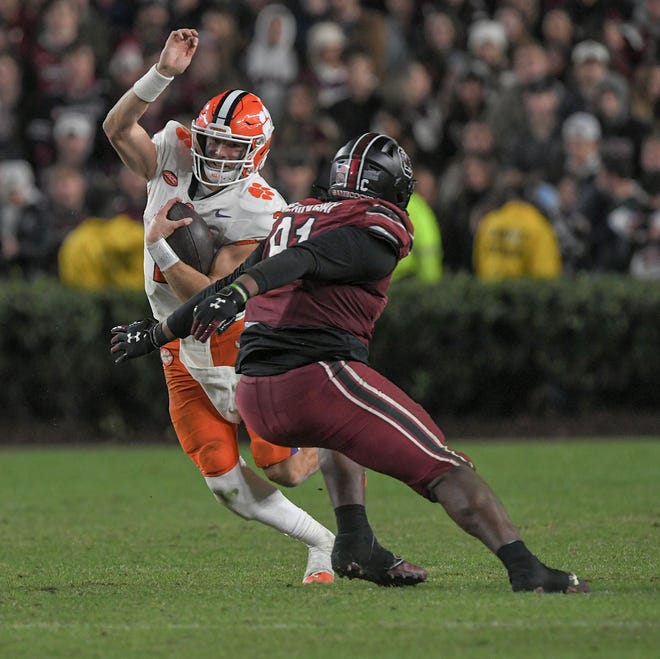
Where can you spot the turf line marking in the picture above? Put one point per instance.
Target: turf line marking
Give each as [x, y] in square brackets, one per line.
[540, 624]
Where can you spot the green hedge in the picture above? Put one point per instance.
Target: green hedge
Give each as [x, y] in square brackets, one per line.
[56, 366]
[521, 346]
[457, 347]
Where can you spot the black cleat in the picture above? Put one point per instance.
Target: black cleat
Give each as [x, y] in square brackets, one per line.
[540, 578]
[360, 556]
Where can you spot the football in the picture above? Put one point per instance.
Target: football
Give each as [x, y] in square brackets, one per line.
[193, 243]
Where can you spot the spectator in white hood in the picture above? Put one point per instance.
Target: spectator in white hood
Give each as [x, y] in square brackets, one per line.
[23, 222]
[271, 61]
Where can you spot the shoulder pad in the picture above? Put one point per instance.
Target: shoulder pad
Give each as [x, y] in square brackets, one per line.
[387, 211]
[389, 223]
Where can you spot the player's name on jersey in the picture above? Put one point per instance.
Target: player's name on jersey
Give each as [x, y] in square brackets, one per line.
[316, 208]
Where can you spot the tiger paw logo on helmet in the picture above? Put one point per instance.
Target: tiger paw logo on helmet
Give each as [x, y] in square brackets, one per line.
[260, 192]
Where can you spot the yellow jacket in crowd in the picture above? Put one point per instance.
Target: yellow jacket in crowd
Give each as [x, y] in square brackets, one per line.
[514, 241]
[102, 253]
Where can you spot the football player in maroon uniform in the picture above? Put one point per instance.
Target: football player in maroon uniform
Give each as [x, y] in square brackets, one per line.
[312, 294]
[214, 165]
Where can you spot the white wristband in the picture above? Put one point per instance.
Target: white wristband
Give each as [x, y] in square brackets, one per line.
[150, 86]
[164, 256]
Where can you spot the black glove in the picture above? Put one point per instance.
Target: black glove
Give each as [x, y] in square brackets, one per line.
[136, 339]
[218, 312]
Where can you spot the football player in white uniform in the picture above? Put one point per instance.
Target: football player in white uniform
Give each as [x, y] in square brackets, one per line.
[214, 167]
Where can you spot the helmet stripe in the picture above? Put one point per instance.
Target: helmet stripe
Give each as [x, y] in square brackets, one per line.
[226, 106]
[357, 159]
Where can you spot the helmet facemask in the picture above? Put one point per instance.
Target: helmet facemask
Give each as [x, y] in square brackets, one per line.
[222, 171]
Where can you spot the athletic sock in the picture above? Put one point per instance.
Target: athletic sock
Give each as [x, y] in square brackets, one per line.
[525, 570]
[356, 541]
[282, 514]
[514, 555]
[250, 496]
[351, 518]
[302, 526]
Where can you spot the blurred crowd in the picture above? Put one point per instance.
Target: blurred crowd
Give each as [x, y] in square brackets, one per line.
[533, 124]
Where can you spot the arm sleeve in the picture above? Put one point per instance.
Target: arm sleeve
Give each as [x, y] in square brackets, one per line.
[342, 255]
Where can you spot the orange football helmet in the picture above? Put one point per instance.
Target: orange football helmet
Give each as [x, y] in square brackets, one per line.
[240, 119]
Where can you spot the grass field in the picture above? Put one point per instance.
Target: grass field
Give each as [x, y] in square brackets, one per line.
[121, 552]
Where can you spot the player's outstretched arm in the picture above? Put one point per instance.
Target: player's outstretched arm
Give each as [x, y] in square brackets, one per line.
[129, 139]
[340, 255]
[345, 254]
[132, 340]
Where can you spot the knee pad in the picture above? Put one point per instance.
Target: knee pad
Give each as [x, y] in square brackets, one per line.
[242, 491]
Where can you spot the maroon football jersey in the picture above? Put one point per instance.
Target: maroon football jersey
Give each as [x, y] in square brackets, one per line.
[352, 308]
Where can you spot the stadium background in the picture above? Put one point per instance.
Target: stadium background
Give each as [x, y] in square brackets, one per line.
[436, 74]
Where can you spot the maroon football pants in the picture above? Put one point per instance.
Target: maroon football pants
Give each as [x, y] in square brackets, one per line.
[350, 408]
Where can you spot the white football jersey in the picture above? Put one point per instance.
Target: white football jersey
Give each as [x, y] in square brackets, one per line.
[242, 211]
